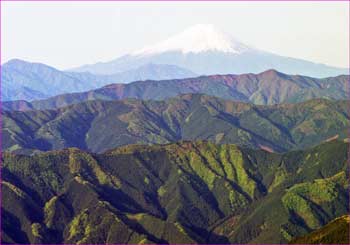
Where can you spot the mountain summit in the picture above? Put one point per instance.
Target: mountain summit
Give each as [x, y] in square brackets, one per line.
[196, 39]
[205, 50]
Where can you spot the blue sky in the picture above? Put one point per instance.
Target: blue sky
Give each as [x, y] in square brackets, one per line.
[69, 34]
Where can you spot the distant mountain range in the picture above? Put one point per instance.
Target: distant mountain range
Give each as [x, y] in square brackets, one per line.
[206, 50]
[266, 88]
[165, 145]
[22, 80]
[101, 125]
[199, 50]
[185, 192]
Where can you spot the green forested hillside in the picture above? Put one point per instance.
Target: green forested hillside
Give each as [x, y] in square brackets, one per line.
[335, 232]
[101, 125]
[185, 192]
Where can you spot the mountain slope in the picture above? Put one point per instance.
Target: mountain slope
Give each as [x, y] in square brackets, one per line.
[22, 80]
[335, 232]
[206, 50]
[144, 72]
[18, 75]
[188, 192]
[9, 93]
[101, 125]
[269, 87]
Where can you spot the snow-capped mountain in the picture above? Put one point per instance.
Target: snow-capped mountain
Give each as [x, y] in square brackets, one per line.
[205, 50]
[197, 39]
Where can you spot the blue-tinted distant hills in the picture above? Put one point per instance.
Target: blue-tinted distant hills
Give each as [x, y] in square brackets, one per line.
[267, 88]
[23, 80]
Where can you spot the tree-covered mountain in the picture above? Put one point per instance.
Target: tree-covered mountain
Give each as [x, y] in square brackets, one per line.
[335, 232]
[269, 87]
[101, 125]
[21, 80]
[186, 192]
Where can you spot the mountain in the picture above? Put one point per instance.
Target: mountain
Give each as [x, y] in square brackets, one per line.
[186, 192]
[144, 72]
[266, 88]
[335, 232]
[18, 76]
[23, 80]
[101, 125]
[14, 92]
[206, 50]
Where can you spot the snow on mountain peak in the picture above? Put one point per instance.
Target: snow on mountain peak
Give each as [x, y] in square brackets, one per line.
[197, 39]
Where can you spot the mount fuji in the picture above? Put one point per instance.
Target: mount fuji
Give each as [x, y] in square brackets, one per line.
[205, 50]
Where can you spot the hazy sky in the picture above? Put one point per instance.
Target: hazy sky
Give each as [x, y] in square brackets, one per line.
[68, 34]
